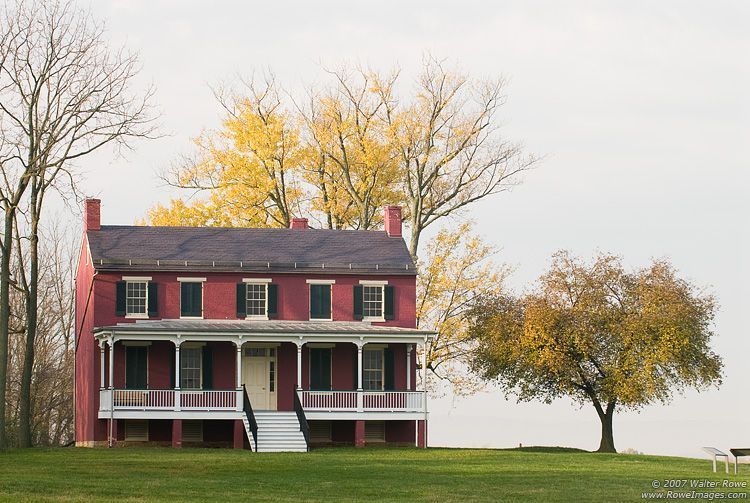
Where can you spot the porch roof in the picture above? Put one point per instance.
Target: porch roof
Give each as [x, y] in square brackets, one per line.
[260, 327]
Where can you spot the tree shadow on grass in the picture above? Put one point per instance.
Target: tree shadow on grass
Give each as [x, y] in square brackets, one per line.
[552, 450]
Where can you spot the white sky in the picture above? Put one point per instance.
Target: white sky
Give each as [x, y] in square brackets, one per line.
[640, 108]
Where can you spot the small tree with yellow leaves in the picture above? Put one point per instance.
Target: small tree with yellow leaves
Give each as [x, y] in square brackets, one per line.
[457, 269]
[598, 334]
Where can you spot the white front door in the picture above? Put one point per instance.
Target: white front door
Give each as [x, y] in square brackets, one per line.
[259, 377]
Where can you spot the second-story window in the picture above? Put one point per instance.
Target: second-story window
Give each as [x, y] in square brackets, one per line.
[256, 300]
[136, 298]
[372, 302]
[191, 299]
[320, 301]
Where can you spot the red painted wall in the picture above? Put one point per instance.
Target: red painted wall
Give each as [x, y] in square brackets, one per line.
[401, 432]
[286, 357]
[219, 296]
[87, 427]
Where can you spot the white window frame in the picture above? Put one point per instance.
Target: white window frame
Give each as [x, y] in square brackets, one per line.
[382, 302]
[136, 279]
[193, 280]
[199, 348]
[380, 350]
[249, 316]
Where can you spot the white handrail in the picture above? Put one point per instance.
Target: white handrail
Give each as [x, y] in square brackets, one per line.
[372, 401]
[167, 399]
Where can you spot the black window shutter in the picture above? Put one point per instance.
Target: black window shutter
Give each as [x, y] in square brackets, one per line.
[208, 368]
[241, 300]
[273, 300]
[358, 294]
[185, 299]
[136, 367]
[153, 299]
[388, 381]
[120, 298]
[197, 299]
[325, 301]
[389, 302]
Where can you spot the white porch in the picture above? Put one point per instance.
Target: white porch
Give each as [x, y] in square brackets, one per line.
[353, 404]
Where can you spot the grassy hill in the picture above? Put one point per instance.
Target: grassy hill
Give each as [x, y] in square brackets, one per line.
[534, 474]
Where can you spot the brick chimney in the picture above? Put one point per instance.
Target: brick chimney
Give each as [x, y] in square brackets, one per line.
[92, 215]
[299, 223]
[392, 219]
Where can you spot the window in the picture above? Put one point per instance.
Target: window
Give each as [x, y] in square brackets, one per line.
[190, 368]
[320, 302]
[256, 300]
[192, 431]
[374, 431]
[191, 299]
[372, 302]
[136, 299]
[136, 430]
[372, 369]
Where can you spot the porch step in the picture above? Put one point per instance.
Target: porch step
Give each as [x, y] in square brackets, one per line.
[279, 432]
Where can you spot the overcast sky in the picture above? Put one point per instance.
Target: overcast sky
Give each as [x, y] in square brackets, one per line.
[640, 109]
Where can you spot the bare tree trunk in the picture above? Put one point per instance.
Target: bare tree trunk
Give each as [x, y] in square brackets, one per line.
[5, 317]
[32, 288]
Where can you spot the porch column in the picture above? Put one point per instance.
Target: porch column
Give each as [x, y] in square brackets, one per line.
[111, 342]
[238, 435]
[111, 364]
[299, 366]
[359, 366]
[239, 365]
[177, 381]
[177, 433]
[360, 398]
[424, 397]
[359, 433]
[101, 364]
[408, 367]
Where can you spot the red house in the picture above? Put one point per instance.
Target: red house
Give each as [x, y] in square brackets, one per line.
[267, 339]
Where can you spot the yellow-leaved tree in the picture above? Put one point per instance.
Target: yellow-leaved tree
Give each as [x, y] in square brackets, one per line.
[251, 169]
[457, 269]
[598, 334]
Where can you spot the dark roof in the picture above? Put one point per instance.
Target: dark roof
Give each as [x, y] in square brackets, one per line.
[126, 247]
[261, 327]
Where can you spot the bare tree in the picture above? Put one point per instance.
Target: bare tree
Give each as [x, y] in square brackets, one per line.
[51, 409]
[449, 147]
[63, 95]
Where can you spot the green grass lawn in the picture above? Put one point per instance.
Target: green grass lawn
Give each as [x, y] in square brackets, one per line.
[339, 475]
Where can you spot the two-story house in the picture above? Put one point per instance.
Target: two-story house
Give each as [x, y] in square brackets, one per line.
[268, 339]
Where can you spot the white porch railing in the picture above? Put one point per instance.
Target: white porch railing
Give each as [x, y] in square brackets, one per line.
[171, 399]
[362, 401]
